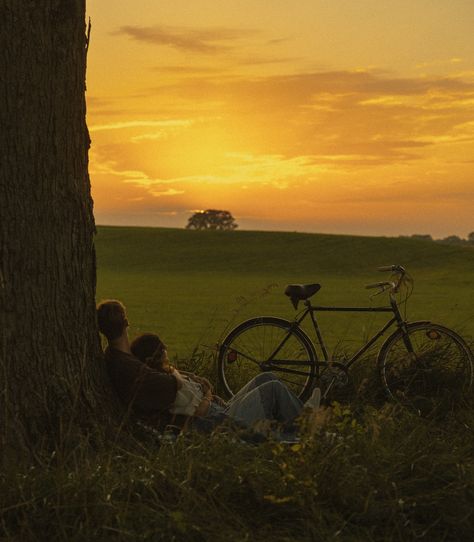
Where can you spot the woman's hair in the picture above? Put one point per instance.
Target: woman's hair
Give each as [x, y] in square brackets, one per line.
[111, 318]
[148, 348]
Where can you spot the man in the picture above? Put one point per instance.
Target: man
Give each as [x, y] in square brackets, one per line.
[147, 392]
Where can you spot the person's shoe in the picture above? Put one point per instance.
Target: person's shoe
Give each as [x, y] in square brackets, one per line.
[315, 400]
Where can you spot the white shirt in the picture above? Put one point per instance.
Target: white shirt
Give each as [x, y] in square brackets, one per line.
[188, 398]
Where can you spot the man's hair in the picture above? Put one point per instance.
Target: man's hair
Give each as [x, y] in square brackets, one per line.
[111, 318]
[146, 346]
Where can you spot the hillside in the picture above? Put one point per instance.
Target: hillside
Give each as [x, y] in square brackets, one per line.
[176, 250]
[187, 285]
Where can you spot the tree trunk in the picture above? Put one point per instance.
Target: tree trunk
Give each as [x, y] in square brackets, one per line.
[49, 351]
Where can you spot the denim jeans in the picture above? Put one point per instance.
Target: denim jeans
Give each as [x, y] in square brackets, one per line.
[263, 398]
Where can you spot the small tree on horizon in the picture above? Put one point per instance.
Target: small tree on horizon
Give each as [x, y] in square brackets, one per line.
[212, 219]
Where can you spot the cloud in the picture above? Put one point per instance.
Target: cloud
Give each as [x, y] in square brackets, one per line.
[97, 102]
[168, 192]
[277, 41]
[206, 40]
[137, 177]
[333, 120]
[340, 139]
[300, 89]
[172, 123]
[265, 170]
[256, 60]
[371, 116]
[188, 70]
[141, 179]
[226, 68]
[152, 136]
[103, 106]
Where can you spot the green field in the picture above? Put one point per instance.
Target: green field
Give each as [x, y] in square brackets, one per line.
[364, 469]
[191, 287]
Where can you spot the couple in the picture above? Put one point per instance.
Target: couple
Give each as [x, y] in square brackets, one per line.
[158, 393]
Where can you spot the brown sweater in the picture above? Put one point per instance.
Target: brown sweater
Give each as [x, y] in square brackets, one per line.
[148, 392]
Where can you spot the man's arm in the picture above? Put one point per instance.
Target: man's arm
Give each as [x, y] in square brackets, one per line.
[155, 391]
[178, 375]
[205, 384]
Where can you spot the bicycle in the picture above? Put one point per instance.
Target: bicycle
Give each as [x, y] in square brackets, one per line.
[419, 360]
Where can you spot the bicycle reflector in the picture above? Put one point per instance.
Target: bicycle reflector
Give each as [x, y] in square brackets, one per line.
[433, 335]
[231, 356]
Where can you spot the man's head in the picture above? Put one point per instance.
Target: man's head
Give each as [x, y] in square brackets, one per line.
[111, 318]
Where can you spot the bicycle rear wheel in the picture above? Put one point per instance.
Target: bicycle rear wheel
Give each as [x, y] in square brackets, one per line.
[437, 373]
[267, 344]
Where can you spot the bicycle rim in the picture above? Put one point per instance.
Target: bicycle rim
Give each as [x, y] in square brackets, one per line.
[437, 374]
[267, 340]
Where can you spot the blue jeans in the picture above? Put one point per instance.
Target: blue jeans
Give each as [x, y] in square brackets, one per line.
[263, 398]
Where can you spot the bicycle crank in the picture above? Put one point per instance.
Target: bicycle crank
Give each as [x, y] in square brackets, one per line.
[333, 377]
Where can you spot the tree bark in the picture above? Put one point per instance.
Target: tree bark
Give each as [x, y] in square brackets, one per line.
[49, 351]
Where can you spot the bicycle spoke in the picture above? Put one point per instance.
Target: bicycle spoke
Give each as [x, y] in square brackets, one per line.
[251, 347]
[438, 370]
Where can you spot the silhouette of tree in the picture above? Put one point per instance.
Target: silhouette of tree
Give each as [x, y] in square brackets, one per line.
[212, 219]
[453, 240]
[470, 238]
[422, 237]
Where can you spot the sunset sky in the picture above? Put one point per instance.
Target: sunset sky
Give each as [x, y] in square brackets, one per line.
[338, 116]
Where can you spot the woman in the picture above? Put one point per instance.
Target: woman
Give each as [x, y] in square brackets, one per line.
[263, 399]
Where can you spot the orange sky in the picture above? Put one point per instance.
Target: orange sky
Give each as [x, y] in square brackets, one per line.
[343, 116]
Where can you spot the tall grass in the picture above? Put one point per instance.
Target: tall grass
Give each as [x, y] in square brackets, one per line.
[384, 475]
[360, 472]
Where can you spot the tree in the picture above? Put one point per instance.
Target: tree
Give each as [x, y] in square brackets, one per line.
[212, 219]
[422, 237]
[470, 238]
[453, 240]
[49, 345]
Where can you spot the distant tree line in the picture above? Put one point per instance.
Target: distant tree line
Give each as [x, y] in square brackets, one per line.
[450, 240]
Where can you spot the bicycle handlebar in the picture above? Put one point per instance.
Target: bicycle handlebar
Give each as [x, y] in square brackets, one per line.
[394, 286]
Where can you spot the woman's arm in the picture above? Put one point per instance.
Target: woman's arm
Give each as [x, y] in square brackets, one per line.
[185, 403]
[203, 407]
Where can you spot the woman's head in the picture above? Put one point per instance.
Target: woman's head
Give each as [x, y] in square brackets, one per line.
[150, 349]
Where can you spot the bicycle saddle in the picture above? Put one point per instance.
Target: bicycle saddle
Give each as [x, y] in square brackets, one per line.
[299, 292]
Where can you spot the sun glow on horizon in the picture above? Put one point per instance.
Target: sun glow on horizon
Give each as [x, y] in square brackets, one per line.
[202, 110]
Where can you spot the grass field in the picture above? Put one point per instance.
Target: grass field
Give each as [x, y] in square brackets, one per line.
[364, 471]
[191, 287]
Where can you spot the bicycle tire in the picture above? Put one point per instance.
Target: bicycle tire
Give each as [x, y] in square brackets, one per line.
[252, 343]
[437, 374]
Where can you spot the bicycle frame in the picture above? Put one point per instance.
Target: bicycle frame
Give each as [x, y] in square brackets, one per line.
[397, 319]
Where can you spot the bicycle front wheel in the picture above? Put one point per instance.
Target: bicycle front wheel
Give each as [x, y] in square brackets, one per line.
[267, 344]
[427, 367]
